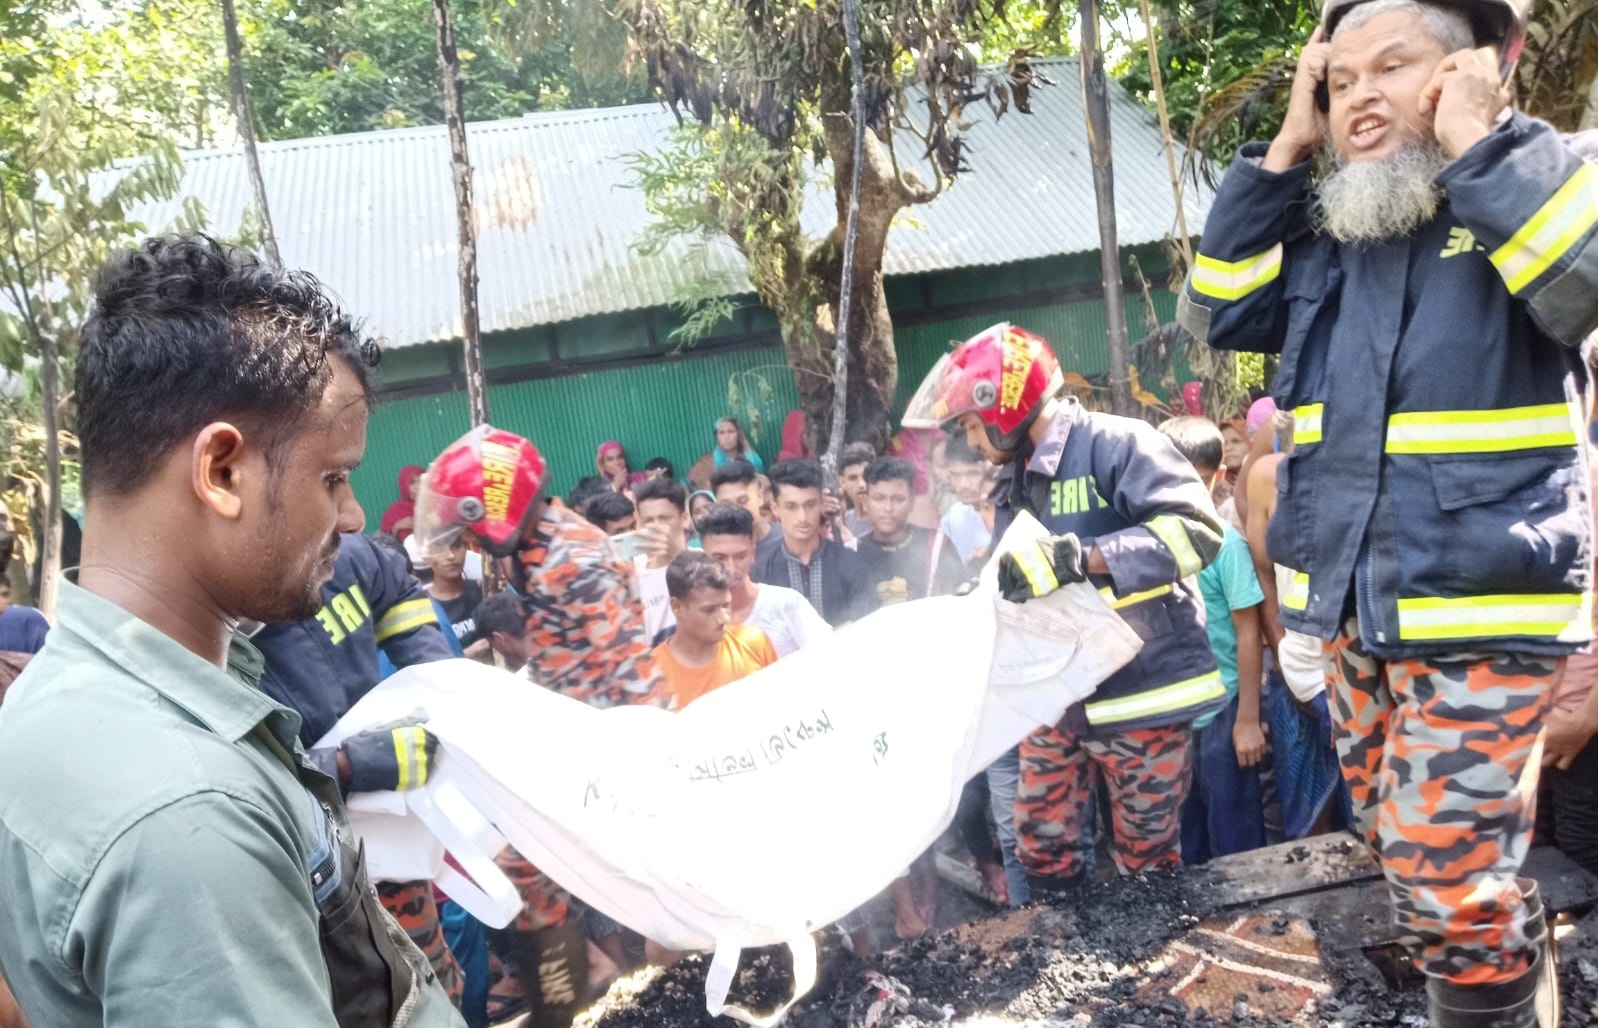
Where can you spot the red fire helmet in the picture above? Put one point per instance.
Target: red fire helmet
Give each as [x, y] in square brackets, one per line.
[1003, 375]
[484, 482]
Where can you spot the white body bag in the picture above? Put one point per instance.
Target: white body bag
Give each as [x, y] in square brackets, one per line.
[761, 812]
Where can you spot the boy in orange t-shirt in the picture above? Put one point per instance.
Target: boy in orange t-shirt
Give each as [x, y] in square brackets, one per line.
[707, 651]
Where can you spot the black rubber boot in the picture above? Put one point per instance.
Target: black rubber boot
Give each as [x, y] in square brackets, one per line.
[1543, 945]
[553, 964]
[1511, 1004]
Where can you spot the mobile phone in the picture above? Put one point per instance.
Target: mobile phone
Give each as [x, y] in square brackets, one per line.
[1323, 96]
[628, 545]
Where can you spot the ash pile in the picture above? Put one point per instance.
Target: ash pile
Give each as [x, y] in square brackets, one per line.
[1294, 935]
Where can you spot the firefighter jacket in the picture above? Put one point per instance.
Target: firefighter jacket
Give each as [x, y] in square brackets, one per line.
[321, 666]
[1121, 486]
[1437, 483]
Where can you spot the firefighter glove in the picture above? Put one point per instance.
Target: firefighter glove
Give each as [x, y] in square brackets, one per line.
[390, 757]
[1037, 569]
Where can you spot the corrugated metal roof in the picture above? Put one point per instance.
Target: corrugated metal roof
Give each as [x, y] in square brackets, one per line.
[373, 213]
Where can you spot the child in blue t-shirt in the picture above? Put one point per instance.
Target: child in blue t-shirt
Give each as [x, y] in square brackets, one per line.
[1224, 812]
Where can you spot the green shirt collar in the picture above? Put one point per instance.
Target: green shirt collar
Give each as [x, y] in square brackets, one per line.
[229, 702]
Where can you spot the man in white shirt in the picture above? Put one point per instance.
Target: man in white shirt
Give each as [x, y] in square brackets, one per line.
[663, 532]
[727, 533]
[963, 523]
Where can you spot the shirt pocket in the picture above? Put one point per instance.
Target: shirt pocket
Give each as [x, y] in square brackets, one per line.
[372, 983]
[1509, 523]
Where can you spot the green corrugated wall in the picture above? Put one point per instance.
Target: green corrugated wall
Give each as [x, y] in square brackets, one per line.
[668, 406]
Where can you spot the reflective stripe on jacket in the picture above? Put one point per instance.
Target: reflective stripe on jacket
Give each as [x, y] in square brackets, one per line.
[321, 666]
[1121, 486]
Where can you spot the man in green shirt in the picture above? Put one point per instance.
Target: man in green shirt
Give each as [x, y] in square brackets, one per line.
[168, 855]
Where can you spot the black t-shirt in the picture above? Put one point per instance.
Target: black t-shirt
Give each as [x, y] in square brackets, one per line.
[460, 611]
[897, 573]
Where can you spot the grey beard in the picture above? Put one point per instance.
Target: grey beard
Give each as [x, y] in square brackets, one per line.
[1374, 201]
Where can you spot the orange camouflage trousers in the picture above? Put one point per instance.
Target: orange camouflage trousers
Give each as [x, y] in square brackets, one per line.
[1146, 772]
[544, 903]
[413, 906]
[1437, 754]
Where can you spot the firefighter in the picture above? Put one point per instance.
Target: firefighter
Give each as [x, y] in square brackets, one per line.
[586, 626]
[1128, 514]
[1428, 295]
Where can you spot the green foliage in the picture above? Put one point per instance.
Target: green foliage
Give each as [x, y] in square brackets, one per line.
[66, 196]
[1040, 27]
[752, 400]
[318, 67]
[1219, 56]
[60, 219]
[153, 70]
[726, 181]
[764, 91]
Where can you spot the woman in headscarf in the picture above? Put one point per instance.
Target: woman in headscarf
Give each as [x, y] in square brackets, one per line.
[732, 444]
[397, 520]
[699, 501]
[611, 463]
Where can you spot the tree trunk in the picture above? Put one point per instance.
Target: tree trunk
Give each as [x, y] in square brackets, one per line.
[449, 66]
[1096, 100]
[241, 111]
[1184, 241]
[50, 531]
[873, 365]
[851, 238]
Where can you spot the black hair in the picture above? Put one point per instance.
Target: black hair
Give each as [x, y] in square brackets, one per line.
[740, 471]
[661, 464]
[391, 543]
[585, 490]
[691, 570]
[501, 612]
[1197, 439]
[795, 474]
[856, 453]
[891, 469]
[961, 451]
[726, 519]
[184, 331]
[607, 507]
[662, 489]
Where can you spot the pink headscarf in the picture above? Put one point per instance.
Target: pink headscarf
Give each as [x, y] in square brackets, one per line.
[607, 448]
[1259, 413]
[1193, 398]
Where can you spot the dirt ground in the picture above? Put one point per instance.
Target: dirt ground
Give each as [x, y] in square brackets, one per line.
[1136, 953]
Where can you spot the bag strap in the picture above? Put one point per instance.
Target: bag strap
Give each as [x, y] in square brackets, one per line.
[724, 964]
[467, 835]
